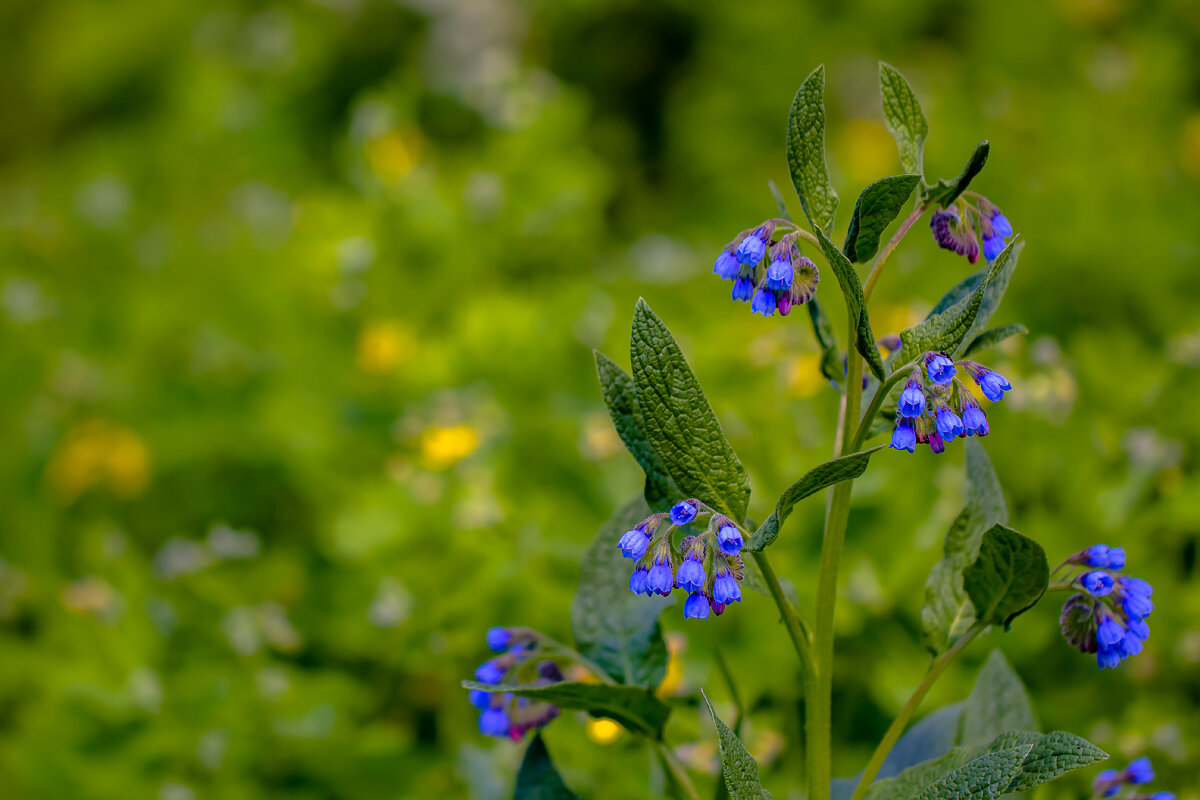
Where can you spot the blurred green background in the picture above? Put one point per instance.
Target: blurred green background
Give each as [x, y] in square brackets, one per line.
[298, 302]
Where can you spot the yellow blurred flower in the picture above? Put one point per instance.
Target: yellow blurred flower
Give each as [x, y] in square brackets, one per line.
[603, 731]
[393, 155]
[1189, 146]
[382, 346]
[867, 151]
[804, 378]
[676, 644]
[893, 319]
[99, 452]
[443, 447]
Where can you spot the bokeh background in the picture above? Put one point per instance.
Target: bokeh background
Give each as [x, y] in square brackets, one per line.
[297, 305]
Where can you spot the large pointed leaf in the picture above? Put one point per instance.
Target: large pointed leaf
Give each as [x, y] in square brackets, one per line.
[632, 706]
[620, 396]
[903, 116]
[1007, 578]
[983, 778]
[945, 192]
[993, 337]
[538, 779]
[929, 739]
[998, 703]
[806, 152]
[853, 292]
[839, 469]
[612, 626]
[875, 209]
[993, 293]
[738, 767]
[680, 423]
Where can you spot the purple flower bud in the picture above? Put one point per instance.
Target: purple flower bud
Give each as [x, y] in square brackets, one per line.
[479, 698]
[730, 539]
[1116, 558]
[1110, 632]
[1139, 628]
[912, 399]
[1130, 645]
[1139, 771]
[939, 368]
[493, 722]
[993, 384]
[726, 266]
[695, 607]
[1097, 583]
[948, 423]
[763, 302]
[743, 289]
[498, 639]
[683, 512]
[549, 671]
[992, 247]
[1108, 658]
[633, 543]
[975, 421]
[690, 575]
[489, 672]
[639, 582]
[936, 444]
[1096, 555]
[1135, 599]
[903, 437]
[951, 234]
[784, 304]
[726, 589]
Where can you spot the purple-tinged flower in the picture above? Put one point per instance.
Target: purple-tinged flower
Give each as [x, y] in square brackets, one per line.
[1107, 783]
[633, 543]
[763, 302]
[639, 582]
[952, 234]
[936, 443]
[479, 698]
[729, 539]
[949, 425]
[489, 672]
[1097, 583]
[690, 575]
[975, 421]
[783, 304]
[805, 277]
[498, 639]
[912, 399]
[939, 368]
[695, 607]
[683, 512]
[743, 289]
[993, 384]
[493, 722]
[1110, 632]
[1139, 771]
[660, 578]
[754, 245]
[717, 608]
[725, 588]
[549, 671]
[1077, 621]
[994, 227]
[1116, 558]
[903, 436]
[727, 265]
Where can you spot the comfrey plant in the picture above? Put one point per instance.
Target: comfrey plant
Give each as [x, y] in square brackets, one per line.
[688, 532]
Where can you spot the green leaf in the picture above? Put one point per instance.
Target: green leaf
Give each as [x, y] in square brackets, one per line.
[1055, 754]
[875, 209]
[681, 424]
[985, 777]
[841, 469]
[925, 741]
[632, 706]
[903, 116]
[960, 290]
[831, 362]
[538, 779]
[993, 337]
[945, 331]
[738, 767]
[853, 292]
[997, 285]
[806, 152]
[945, 192]
[620, 396]
[1010, 575]
[998, 703]
[948, 612]
[613, 627]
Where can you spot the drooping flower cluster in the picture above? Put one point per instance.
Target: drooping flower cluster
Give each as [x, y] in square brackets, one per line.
[1108, 617]
[935, 406]
[502, 714]
[706, 565]
[771, 275]
[1110, 782]
[954, 227]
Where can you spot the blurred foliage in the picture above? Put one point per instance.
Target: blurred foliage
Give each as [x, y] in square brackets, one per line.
[297, 302]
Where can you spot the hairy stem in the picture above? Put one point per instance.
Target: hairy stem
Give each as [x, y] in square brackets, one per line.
[876, 270]
[906, 713]
[676, 772]
[864, 427]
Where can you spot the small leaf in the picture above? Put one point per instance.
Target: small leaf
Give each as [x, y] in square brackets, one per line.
[993, 293]
[841, 469]
[853, 292]
[875, 209]
[806, 152]
[738, 767]
[681, 424]
[621, 398]
[985, 777]
[1010, 575]
[632, 706]
[993, 337]
[538, 779]
[945, 192]
[612, 626]
[998, 703]
[903, 116]
[945, 331]
[831, 362]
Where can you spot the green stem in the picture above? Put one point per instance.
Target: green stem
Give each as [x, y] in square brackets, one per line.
[876, 270]
[795, 630]
[676, 773]
[864, 427]
[906, 713]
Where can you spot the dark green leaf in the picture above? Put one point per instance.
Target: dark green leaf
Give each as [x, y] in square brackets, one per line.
[875, 209]
[983, 778]
[853, 292]
[831, 362]
[960, 290]
[613, 627]
[738, 767]
[621, 398]
[839, 469]
[945, 192]
[1055, 754]
[806, 152]
[996, 287]
[904, 118]
[632, 706]
[998, 703]
[681, 424]
[993, 337]
[538, 779]
[1009, 576]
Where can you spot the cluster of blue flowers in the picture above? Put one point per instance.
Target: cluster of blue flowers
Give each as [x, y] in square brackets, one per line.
[706, 565]
[772, 276]
[1108, 617]
[936, 407]
[1110, 782]
[501, 714]
[954, 227]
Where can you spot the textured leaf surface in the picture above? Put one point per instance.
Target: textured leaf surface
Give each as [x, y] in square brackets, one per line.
[985, 777]
[945, 192]
[738, 767]
[993, 337]
[1008, 577]
[998, 703]
[538, 779]
[620, 396]
[1055, 754]
[612, 626]
[681, 424]
[839, 469]
[929, 739]
[875, 209]
[806, 152]
[632, 706]
[903, 116]
[993, 293]
[853, 292]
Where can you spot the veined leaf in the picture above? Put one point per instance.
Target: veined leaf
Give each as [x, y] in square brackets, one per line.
[945, 192]
[632, 706]
[853, 292]
[993, 337]
[903, 116]
[874, 210]
[998, 703]
[983, 778]
[993, 293]
[738, 767]
[806, 152]
[1008, 577]
[620, 396]
[538, 779]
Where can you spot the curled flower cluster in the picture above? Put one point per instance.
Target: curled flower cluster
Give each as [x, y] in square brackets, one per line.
[954, 227]
[936, 407]
[1110, 782]
[1108, 617]
[502, 714]
[772, 276]
[706, 566]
